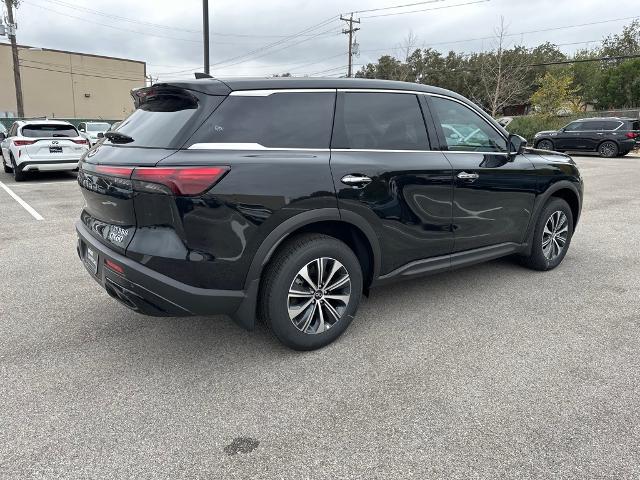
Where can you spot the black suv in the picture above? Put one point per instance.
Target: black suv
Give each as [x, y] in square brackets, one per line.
[610, 136]
[287, 199]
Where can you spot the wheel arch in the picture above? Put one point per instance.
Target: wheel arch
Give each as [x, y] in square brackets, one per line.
[563, 189]
[343, 225]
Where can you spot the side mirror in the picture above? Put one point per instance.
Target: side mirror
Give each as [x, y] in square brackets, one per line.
[100, 134]
[2, 136]
[517, 145]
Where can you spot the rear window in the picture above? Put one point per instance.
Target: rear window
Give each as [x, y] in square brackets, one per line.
[47, 130]
[98, 127]
[279, 120]
[166, 118]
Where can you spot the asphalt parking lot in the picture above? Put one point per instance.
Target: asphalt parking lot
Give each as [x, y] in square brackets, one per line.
[488, 372]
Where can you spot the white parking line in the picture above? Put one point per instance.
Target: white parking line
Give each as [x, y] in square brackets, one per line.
[34, 184]
[24, 204]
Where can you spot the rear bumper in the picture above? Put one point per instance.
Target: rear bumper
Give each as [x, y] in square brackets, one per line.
[48, 165]
[629, 144]
[151, 293]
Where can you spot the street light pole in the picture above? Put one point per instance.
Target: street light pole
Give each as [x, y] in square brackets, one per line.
[11, 27]
[205, 33]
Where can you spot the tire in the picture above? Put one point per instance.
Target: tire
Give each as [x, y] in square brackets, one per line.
[540, 258]
[545, 145]
[315, 326]
[18, 175]
[608, 149]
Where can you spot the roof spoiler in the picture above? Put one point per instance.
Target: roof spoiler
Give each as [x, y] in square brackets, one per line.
[143, 94]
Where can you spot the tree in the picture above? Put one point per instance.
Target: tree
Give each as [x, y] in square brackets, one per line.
[502, 74]
[626, 43]
[555, 92]
[619, 86]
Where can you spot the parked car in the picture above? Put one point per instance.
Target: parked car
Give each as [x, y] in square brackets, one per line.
[41, 145]
[287, 199]
[609, 136]
[92, 130]
[3, 129]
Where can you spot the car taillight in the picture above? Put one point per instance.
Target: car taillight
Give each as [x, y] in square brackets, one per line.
[122, 172]
[179, 180]
[631, 135]
[22, 143]
[82, 141]
[187, 181]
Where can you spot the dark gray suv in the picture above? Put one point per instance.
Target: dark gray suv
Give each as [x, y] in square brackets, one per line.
[609, 136]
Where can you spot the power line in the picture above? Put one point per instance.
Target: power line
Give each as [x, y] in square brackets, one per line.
[279, 42]
[397, 6]
[118, 17]
[67, 15]
[102, 13]
[425, 9]
[253, 56]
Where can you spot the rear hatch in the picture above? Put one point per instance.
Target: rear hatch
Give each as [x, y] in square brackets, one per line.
[115, 174]
[53, 142]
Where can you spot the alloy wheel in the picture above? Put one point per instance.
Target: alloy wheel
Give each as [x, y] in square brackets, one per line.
[319, 295]
[545, 145]
[555, 235]
[608, 149]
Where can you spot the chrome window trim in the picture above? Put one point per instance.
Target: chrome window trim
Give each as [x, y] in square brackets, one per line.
[473, 151]
[248, 146]
[383, 150]
[267, 92]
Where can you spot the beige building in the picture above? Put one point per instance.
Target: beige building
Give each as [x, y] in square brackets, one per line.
[56, 83]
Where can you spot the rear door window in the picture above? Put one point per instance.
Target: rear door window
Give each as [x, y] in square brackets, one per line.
[379, 121]
[277, 120]
[48, 130]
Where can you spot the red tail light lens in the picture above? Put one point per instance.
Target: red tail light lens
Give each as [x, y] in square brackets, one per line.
[82, 141]
[22, 143]
[122, 172]
[181, 180]
[631, 135]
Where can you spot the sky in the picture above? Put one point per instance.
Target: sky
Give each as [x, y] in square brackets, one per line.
[258, 38]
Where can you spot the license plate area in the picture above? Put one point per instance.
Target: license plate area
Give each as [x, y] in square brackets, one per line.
[91, 260]
[55, 149]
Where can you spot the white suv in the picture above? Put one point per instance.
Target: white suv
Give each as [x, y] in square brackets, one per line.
[41, 145]
[92, 130]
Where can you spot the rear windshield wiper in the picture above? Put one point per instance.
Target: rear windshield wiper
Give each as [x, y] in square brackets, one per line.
[117, 137]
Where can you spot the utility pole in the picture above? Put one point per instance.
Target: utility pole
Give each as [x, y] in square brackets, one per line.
[11, 30]
[205, 33]
[350, 31]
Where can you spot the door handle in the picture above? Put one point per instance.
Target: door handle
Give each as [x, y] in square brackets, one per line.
[468, 176]
[356, 180]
